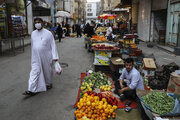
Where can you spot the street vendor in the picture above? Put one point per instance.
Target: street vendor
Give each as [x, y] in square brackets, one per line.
[129, 81]
[109, 35]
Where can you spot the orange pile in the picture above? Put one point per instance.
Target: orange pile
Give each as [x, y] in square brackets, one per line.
[99, 38]
[91, 108]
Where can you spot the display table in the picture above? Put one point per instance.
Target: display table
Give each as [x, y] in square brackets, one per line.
[102, 60]
[115, 66]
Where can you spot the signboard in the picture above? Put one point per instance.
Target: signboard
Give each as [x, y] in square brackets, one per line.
[148, 63]
[7, 1]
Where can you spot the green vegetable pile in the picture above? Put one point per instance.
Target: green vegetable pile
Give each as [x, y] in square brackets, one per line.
[97, 79]
[159, 102]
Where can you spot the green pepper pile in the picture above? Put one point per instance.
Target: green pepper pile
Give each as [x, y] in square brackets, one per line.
[159, 102]
[97, 79]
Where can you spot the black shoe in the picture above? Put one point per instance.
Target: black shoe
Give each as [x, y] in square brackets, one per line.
[128, 109]
[29, 93]
[122, 98]
[49, 86]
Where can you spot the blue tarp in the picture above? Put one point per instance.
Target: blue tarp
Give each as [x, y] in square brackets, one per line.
[53, 29]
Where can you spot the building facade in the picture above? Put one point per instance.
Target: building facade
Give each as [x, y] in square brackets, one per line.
[173, 23]
[91, 10]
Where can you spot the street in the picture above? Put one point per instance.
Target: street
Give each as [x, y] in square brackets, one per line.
[113, 54]
[55, 104]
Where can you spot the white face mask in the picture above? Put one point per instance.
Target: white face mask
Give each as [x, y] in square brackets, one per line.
[38, 26]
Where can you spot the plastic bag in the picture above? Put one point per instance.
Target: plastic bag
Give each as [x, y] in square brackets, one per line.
[57, 67]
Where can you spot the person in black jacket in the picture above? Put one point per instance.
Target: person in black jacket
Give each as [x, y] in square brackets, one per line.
[78, 30]
[59, 32]
[67, 30]
[89, 30]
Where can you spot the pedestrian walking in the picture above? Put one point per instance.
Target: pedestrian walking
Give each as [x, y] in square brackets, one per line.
[59, 32]
[44, 53]
[78, 30]
[67, 29]
[89, 30]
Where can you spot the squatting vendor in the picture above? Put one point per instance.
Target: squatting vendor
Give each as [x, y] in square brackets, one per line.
[129, 81]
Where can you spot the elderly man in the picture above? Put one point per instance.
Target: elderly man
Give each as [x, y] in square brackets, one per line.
[44, 53]
[129, 81]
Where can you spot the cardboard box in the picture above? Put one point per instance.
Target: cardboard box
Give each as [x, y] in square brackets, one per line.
[148, 63]
[174, 85]
[102, 58]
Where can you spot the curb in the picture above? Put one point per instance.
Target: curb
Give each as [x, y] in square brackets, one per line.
[165, 49]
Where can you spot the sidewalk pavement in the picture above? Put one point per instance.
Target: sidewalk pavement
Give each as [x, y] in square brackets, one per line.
[163, 54]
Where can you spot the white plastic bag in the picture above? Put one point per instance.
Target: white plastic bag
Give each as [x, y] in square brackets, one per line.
[57, 67]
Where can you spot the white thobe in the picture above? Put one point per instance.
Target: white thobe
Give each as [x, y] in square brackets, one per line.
[43, 53]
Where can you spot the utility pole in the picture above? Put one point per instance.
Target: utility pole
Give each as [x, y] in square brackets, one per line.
[79, 8]
[25, 4]
[52, 14]
[63, 5]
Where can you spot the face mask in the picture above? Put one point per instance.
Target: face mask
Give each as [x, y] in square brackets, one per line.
[38, 26]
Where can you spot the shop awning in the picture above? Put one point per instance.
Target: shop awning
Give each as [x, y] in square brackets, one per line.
[124, 4]
[41, 11]
[62, 14]
[107, 16]
[120, 9]
[49, 2]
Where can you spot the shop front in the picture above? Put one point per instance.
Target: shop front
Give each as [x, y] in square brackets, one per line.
[12, 21]
[12, 25]
[172, 22]
[3, 17]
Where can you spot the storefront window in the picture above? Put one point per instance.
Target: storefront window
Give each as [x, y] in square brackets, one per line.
[3, 30]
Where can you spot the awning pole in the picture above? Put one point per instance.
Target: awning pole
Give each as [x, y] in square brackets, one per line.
[52, 14]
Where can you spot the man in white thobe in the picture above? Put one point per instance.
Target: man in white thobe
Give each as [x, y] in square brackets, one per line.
[44, 53]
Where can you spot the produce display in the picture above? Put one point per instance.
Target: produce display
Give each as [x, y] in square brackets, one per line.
[104, 47]
[93, 107]
[159, 102]
[101, 29]
[86, 87]
[106, 87]
[98, 38]
[97, 79]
